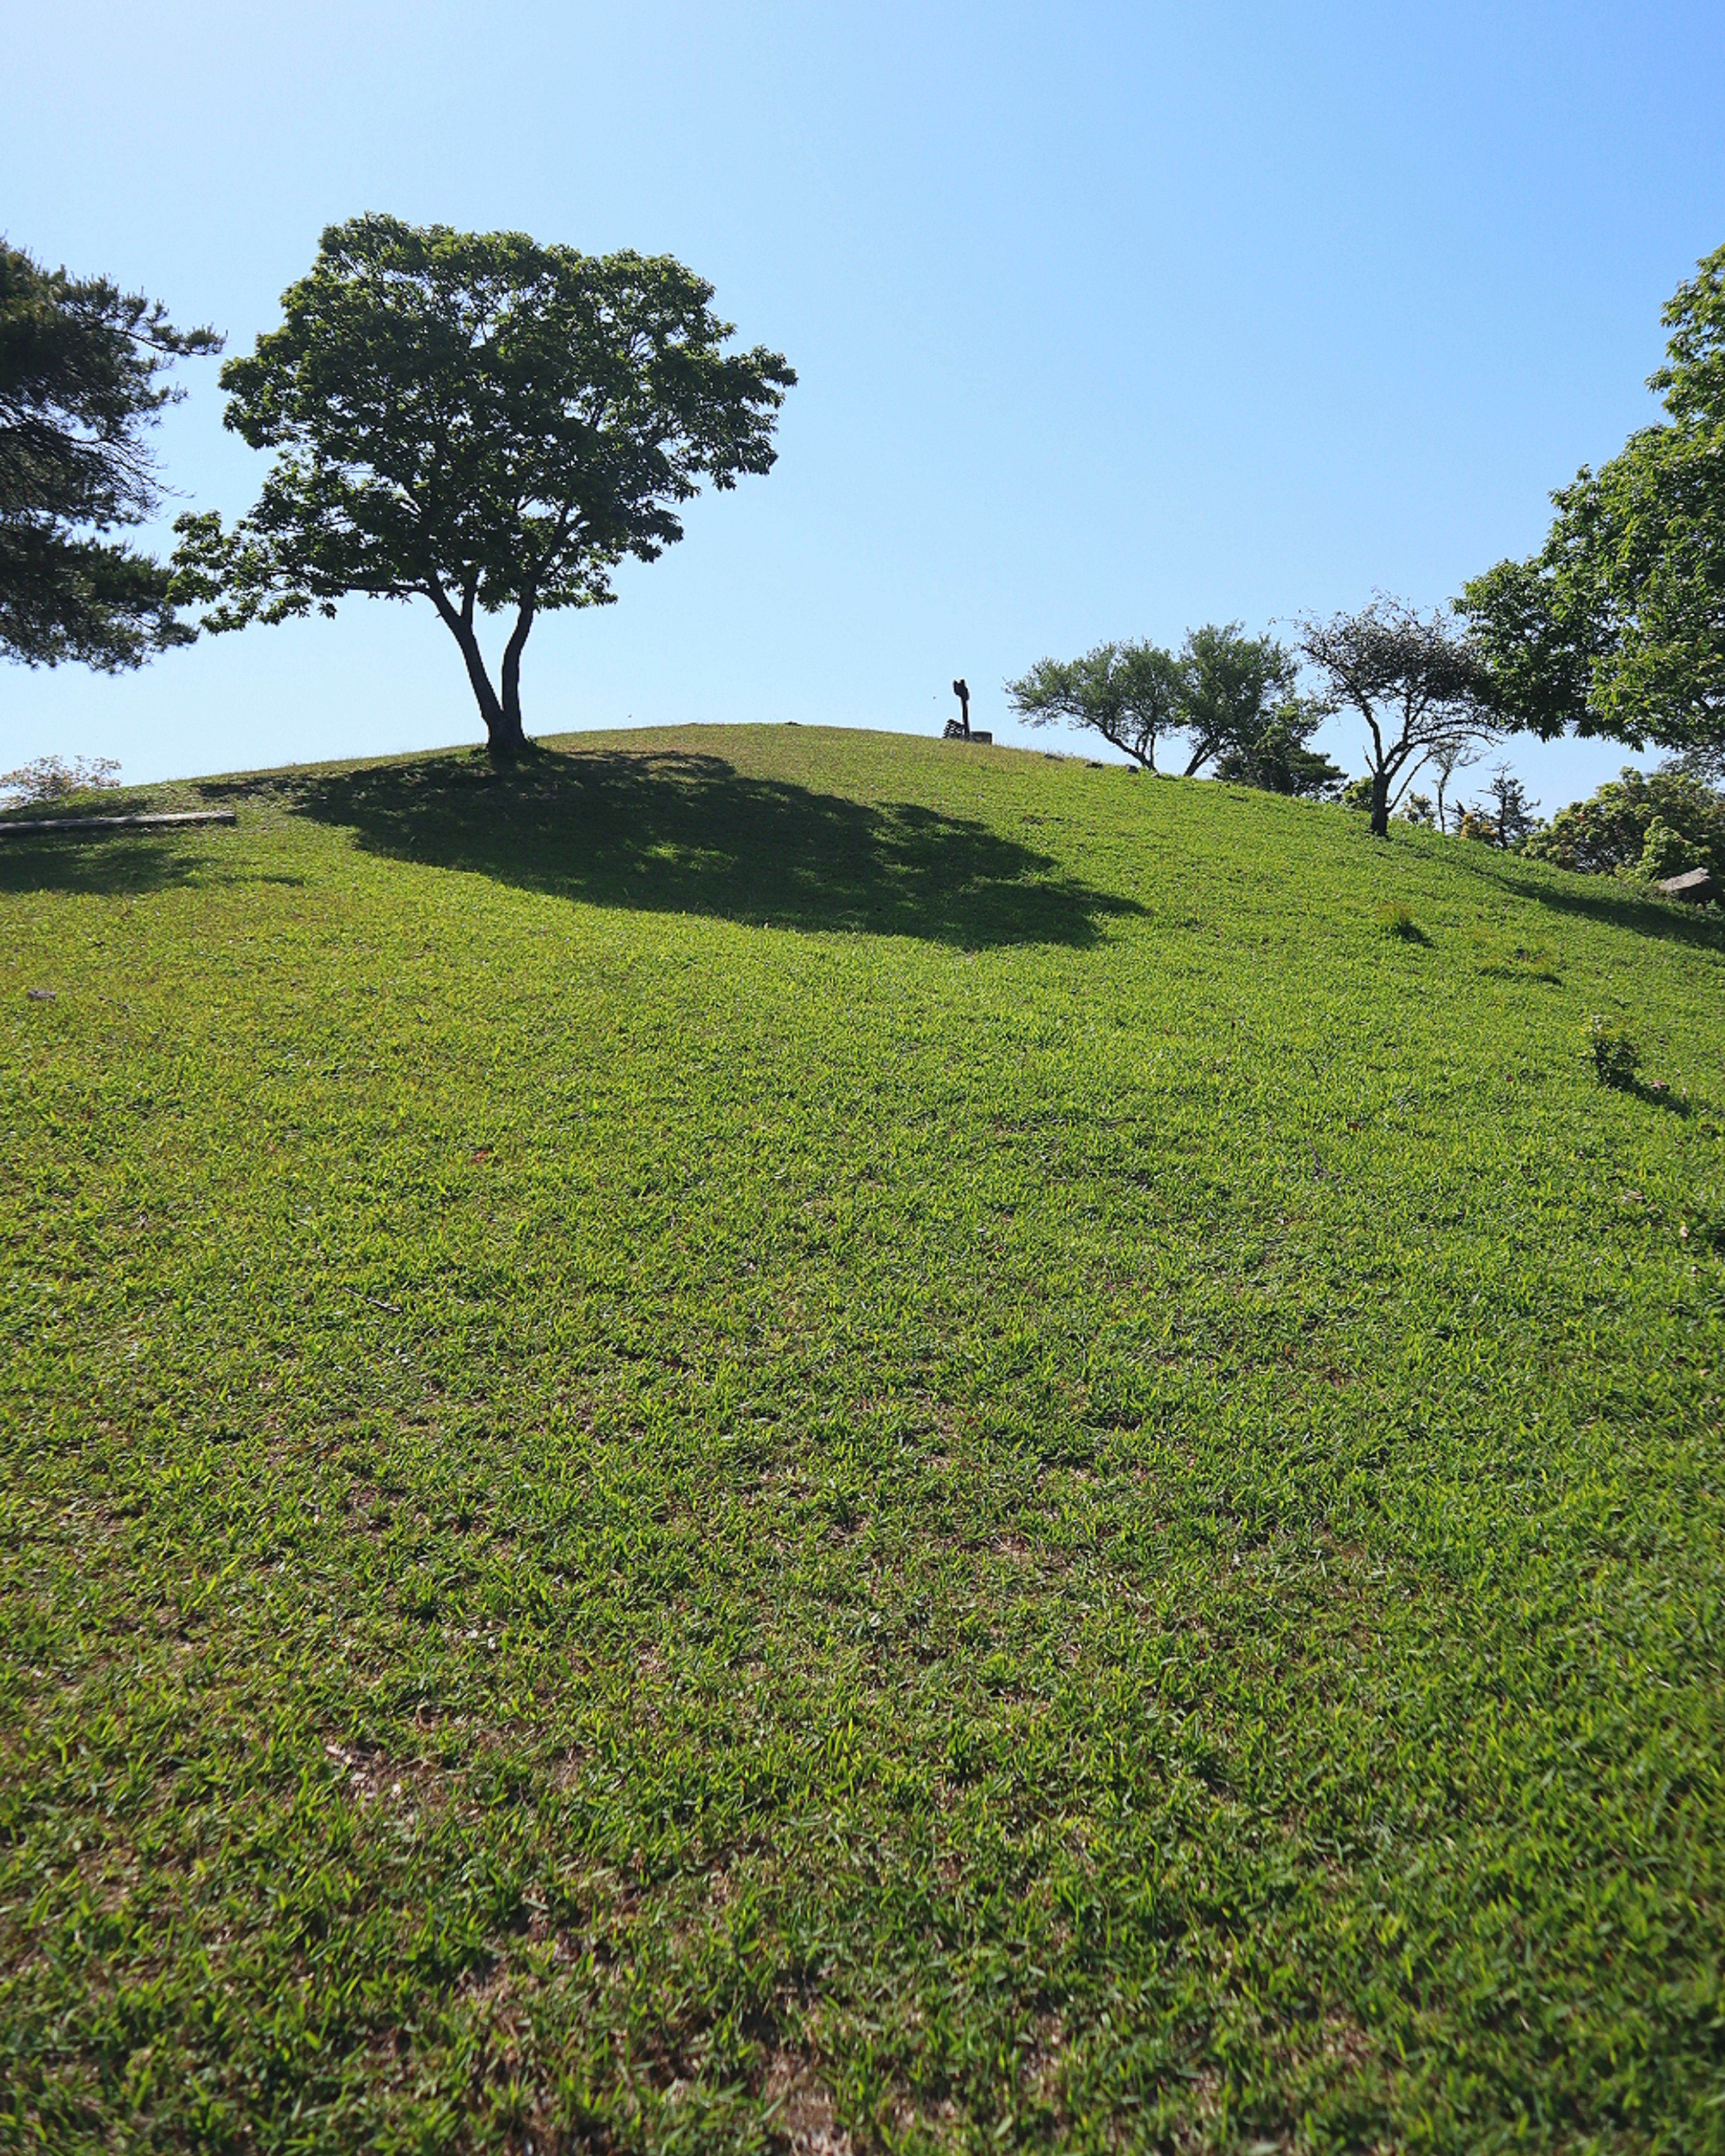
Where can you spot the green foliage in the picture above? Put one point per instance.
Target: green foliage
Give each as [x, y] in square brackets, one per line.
[479, 421]
[1357, 795]
[1130, 694]
[1417, 809]
[1612, 1050]
[1617, 626]
[1278, 760]
[1667, 852]
[1236, 691]
[1608, 833]
[753, 1435]
[81, 364]
[1395, 920]
[1232, 696]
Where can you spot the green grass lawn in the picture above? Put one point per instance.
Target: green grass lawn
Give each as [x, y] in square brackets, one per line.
[776, 1438]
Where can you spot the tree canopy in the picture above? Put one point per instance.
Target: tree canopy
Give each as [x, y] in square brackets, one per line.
[81, 369]
[1130, 694]
[481, 421]
[1617, 626]
[1234, 688]
[1420, 687]
[1281, 760]
[1232, 696]
[1609, 833]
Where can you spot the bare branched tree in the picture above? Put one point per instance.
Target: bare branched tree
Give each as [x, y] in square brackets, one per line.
[1416, 682]
[1446, 759]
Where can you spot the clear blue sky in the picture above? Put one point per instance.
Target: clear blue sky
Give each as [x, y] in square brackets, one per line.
[1110, 319]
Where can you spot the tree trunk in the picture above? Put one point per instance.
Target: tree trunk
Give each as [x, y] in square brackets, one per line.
[516, 739]
[1380, 804]
[503, 730]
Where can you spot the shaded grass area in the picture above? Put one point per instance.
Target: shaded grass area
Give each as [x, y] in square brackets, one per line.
[769, 1438]
[681, 830]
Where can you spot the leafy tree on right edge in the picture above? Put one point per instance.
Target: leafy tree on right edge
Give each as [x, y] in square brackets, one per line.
[1617, 626]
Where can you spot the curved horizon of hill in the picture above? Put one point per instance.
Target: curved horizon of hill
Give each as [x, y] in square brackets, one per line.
[777, 1438]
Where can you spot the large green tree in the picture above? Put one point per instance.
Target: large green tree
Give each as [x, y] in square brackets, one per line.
[1232, 696]
[1235, 688]
[1617, 626]
[81, 381]
[1130, 694]
[480, 421]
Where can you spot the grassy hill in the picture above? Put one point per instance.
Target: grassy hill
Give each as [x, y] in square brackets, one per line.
[771, 1438]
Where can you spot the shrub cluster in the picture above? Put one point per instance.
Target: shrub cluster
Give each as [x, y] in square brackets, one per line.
[1641, 826]
[1611, 1048]
[51, 778]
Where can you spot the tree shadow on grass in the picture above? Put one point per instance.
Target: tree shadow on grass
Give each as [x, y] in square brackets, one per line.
[131, 866]
[667, 831]
[1658, 1096]
[1614, 904]
[126, 864]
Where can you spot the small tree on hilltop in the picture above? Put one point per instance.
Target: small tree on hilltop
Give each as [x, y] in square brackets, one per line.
[81, 368]
[1130, 694]
[479, 421]
[1446, 759]
[1415, 682]
[1507, 813]
[1234, 688]
[52, 779]
[1280, 759]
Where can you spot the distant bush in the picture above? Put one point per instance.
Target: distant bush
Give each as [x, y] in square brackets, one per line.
[49, 779]
[1611, 1048]
[1505, 818]
[1278, 761]
[1607, 834]
[1357, 794]
[1419, 810]
[1665, 853]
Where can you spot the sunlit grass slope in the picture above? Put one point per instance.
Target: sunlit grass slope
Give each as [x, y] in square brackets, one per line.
[776, 1438]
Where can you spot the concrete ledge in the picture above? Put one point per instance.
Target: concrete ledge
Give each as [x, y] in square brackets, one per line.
[24, 827]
